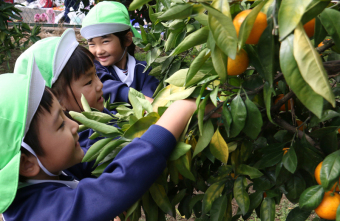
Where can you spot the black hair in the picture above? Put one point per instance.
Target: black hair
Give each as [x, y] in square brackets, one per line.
[79, 63]
[31, 137]
[121, 35]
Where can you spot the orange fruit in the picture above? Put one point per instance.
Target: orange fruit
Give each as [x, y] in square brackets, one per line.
[328, 206]
[339, 130]
[309, 27]
[264, 195]
[285, 150]
[259, 25]
[180, 177]
[239, 65]
[283, 107]
[318, 180]
[299, 122]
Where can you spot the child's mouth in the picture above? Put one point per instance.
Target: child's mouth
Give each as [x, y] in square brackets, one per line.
[103, 59]
[100, 99]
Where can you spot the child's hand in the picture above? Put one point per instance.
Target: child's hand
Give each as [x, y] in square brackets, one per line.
[209, 107]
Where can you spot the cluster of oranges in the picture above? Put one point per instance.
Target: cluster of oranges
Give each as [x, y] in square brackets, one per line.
[330, 202]
[241, 62]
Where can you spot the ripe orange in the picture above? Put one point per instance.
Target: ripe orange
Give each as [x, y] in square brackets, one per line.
[264, 194]
[259, 25]
[299, 122]
[283, 107]
[180, 177]
[318, 180]
[309, 27]
[239, 65]
[328, 206]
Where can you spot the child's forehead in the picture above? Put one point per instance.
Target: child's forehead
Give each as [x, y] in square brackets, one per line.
[101, 37]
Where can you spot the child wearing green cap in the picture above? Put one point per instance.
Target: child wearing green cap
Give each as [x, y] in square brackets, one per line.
[109, 33]
[69, 71]
[41, 177]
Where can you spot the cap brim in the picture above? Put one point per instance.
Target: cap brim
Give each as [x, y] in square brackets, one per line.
[9, 178]
[36, 90]
[98, 30]
[65, 49]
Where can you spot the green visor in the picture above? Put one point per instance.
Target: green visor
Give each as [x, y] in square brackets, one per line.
[20, 97]
[51, 55]
[105, 18]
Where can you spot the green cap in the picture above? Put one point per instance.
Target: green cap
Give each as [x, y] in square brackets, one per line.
[51, 55]
[105, 18]
[17, 107]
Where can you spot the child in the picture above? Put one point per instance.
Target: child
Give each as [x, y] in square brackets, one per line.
[35, 134]
[69, 70]
[109, 33]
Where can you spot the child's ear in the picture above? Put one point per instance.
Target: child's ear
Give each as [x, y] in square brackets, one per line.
[29, 166]
[128, 39]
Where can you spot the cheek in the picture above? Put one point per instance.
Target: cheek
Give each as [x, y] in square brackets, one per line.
[92, 50]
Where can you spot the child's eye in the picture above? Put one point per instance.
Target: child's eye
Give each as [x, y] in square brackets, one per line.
[61, 125]
[105, 41]
[88, 83]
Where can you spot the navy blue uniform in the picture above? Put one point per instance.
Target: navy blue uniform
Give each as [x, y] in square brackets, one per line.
[123, 182]
[114, 88]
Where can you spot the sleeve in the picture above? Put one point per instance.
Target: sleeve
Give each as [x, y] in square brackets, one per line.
[122, 183]
[150, 83]
[116, 90]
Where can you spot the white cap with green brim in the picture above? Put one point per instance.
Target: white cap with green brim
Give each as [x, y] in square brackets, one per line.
[105, 18]
[51, 55]
[18, 105]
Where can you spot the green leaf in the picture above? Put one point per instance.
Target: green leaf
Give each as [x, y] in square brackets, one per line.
[219, 59]
[181, 95]
[218, 208]
[330, 170]
[320, 32]
[158, 194]
[290, 14]
[108, 148]
[196, 38]
[238, 114]
[298, 214]
[241, 195]
[255, 200]
[329, 18]
[268, 209]
[204, 139]
[213, 96]
[311, 197]
[226, 117]
[294, 187]
[136, 4]
[202, 18]
[85, 104]
[268, 91]
[180, 149]
[151, 57]
[314, 8]
[98, 116]
[293, 77]
[252, 172]
[314, 73]
[179, 11]
[95, 149]
[183, 167]
[223, 30]
[97, 126]
[200, 114]
[196, 64]
[266, 52]
[178, 198]
[289, 160]
[137, 107]
[212, 193]
[146, 105]
[219, 147]
[248, 23]
[131, 210]
[141, 126]
[195, 199]
[254, 121]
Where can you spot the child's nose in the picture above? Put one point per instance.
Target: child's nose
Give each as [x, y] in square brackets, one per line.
[74, 126]
[100, 50]
[99, 85]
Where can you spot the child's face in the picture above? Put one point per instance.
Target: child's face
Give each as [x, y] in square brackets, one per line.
[58, 138]
[107, 50]
[91, 87]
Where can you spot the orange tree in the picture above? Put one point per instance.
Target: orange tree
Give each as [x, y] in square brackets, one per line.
[255, 147]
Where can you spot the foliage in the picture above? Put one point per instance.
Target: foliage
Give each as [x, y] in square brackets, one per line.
[17, 36]
[254, 144]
